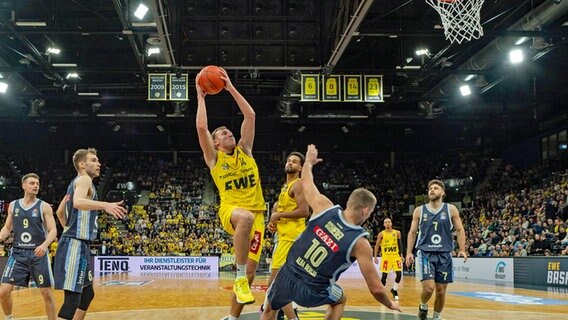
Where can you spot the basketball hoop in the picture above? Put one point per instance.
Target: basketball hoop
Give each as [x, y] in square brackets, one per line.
[461, 18]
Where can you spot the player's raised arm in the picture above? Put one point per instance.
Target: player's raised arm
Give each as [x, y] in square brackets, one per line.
[317, 201]
[205, 139]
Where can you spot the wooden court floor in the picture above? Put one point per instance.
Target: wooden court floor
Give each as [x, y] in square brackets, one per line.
[126, 296]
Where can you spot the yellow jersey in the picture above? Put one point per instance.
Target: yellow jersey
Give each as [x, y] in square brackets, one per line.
[289, 229]
[237, 179]
[389, 244]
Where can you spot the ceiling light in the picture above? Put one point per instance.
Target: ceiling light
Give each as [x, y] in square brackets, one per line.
[87, 93]
[72, 75]
[465, 90]
[141, 11]
[3, 87]
[64, 65]
[345, 129]
[1, 76]
[116, 128]
[52, 50]
[143, 24]
[301, 128]
[521, 41]
[160, 128]
[469, 77]
[516, 56]
[153, 50]
[422, 52]
[31, 23]
[159, 65]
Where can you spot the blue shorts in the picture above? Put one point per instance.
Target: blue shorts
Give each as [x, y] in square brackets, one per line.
[288, 287]
[435, 265]
[72, 265]
[23, 265]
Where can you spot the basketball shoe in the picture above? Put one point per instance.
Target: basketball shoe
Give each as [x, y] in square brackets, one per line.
[242, 291]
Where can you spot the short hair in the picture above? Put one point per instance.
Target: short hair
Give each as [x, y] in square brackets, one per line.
[81, 155]
[438, 182]
[297, 154]
[214, 132]
[361, 198]
[29, 175]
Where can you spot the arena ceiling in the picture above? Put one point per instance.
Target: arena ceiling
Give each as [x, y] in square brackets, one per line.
[264, 45]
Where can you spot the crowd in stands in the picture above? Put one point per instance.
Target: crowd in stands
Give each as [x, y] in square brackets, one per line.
[517, 212]
[520, 212]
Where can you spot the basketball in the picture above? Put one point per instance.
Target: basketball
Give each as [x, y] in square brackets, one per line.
[210, 80]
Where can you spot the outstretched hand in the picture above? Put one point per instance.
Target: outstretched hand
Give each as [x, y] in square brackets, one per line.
[225, 77]
[312, 155]
[394, 306]
[116, 209]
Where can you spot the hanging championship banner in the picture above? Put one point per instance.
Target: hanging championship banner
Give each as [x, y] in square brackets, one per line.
[374, 88]
[331, 87]
[352, 88]
[310, 87]
[157, 86]
[178, 87]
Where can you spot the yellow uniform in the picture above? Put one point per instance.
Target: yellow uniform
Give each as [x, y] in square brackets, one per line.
[237, 179]
[390, 252]
[288, 230]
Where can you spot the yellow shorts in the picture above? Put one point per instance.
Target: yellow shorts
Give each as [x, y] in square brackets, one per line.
[256, 233]
[391, 263]
[280, 252]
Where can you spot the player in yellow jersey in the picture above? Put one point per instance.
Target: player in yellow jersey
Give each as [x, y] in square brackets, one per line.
[288, 218]
[389, 241]
[235, 174]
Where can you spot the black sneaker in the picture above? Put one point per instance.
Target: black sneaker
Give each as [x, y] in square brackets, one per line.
[422, 314]
[280, 315]
[394, 294]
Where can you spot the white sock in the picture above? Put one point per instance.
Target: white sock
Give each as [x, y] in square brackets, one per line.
[424, 306]
[395, 286]
[437, 315]
[294, 305]
[241, 271]
[10, 317]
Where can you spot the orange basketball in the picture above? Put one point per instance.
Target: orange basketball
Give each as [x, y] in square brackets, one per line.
[210, 80]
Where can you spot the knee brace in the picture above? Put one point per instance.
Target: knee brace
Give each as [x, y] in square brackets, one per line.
[398, 276]
[70, 304]
[384, 278]
[86, 297]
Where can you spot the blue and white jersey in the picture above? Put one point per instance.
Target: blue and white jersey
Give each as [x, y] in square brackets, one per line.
[81, 224]
[27, 224]
[323, 250]
[435, 229]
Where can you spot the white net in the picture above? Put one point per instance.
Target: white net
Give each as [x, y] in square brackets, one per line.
[461, 18]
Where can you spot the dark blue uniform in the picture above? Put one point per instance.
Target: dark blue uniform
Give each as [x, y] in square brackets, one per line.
[29, 233]
[72, 260]
[315, 262]
[435, 244]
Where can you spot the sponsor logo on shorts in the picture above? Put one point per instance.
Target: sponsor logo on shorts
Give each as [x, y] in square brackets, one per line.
[255, 243]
